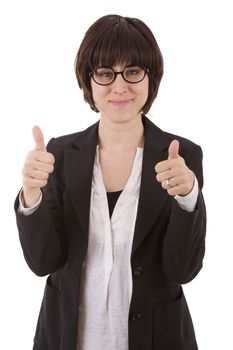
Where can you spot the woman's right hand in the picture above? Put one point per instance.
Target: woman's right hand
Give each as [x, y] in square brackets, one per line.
[38, 165]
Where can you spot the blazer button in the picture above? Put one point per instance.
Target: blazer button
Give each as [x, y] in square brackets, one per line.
[138, 270]
[136, 316]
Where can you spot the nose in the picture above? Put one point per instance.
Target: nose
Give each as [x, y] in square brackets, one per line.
[119, 85]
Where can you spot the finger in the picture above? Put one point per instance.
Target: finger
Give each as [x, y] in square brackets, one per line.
[173, 150]
[45, 157]
[33, 183]
[35, 174]
[177, 180]
[40, 160]
[162, 166]
[44, 167]
[166, 184]
[38, 138]
[160, 177]
[176, 190]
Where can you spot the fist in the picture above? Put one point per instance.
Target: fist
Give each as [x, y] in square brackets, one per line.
[37, 167]
[173, 173]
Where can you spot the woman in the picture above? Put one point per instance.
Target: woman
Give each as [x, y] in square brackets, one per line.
[114, 214]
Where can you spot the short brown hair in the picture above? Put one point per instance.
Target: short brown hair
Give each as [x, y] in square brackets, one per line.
[115, 39]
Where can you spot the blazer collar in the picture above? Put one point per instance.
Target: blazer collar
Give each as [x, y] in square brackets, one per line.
[79, 162]
[153, 135]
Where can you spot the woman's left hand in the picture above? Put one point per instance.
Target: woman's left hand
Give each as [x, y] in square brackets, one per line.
[173, 173]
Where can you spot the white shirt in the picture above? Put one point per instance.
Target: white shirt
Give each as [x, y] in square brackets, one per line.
[106, 280]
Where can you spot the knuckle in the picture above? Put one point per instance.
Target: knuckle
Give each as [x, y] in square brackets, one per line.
[164, 185]
[171, 182]
[44, 183]
[51, 168]
[26, 173]
[51, 158]
[43, 176]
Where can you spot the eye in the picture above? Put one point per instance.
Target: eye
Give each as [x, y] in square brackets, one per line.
[104, 73]
[133, 71]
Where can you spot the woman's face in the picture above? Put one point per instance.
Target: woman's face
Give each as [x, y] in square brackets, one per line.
[120, 101]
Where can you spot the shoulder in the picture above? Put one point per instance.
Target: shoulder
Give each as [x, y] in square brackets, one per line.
[187, 146]
[57, 145]
[157, 135]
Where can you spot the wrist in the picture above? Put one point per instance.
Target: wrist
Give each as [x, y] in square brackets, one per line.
[30, 197]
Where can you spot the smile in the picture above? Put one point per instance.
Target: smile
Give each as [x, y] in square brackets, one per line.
[122, 102]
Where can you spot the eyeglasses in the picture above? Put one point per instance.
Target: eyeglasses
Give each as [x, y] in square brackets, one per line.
[106, 75]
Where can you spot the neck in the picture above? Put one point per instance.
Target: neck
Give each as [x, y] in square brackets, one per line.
[121, 136]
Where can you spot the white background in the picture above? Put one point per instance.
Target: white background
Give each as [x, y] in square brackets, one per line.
[39, 41]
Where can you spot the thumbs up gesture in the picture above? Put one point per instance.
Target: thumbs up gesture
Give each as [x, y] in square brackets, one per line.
[37, 167]
[38, 138]
[173, 173]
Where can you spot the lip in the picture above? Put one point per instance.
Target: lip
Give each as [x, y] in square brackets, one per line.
[121, 102]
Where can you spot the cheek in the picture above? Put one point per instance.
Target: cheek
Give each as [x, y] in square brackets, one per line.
[143, 92]
[98, 92]
[143, 88]
[146, 87]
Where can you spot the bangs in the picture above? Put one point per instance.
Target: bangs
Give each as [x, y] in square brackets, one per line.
[121, 44]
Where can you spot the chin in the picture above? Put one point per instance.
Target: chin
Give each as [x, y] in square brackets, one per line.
[124, 117]
[121, 115]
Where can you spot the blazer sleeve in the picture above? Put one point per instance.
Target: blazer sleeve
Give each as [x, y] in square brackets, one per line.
[184, 242]
[42, 234]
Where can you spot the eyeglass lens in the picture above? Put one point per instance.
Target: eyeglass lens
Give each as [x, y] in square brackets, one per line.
[106, 76]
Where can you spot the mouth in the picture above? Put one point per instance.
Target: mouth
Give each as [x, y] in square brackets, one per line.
[121, 102]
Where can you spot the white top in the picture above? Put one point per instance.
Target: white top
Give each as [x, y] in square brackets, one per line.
[106, 280]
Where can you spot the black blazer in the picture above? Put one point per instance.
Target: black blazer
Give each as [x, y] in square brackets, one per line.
[167, 251]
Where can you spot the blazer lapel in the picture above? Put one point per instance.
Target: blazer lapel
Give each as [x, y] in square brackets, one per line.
[152, 196]
[78, 165]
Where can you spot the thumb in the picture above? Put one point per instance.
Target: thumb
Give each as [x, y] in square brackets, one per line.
[173, 150]
[38, 138]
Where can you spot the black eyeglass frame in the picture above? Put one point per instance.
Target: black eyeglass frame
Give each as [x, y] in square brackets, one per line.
[146, 71]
